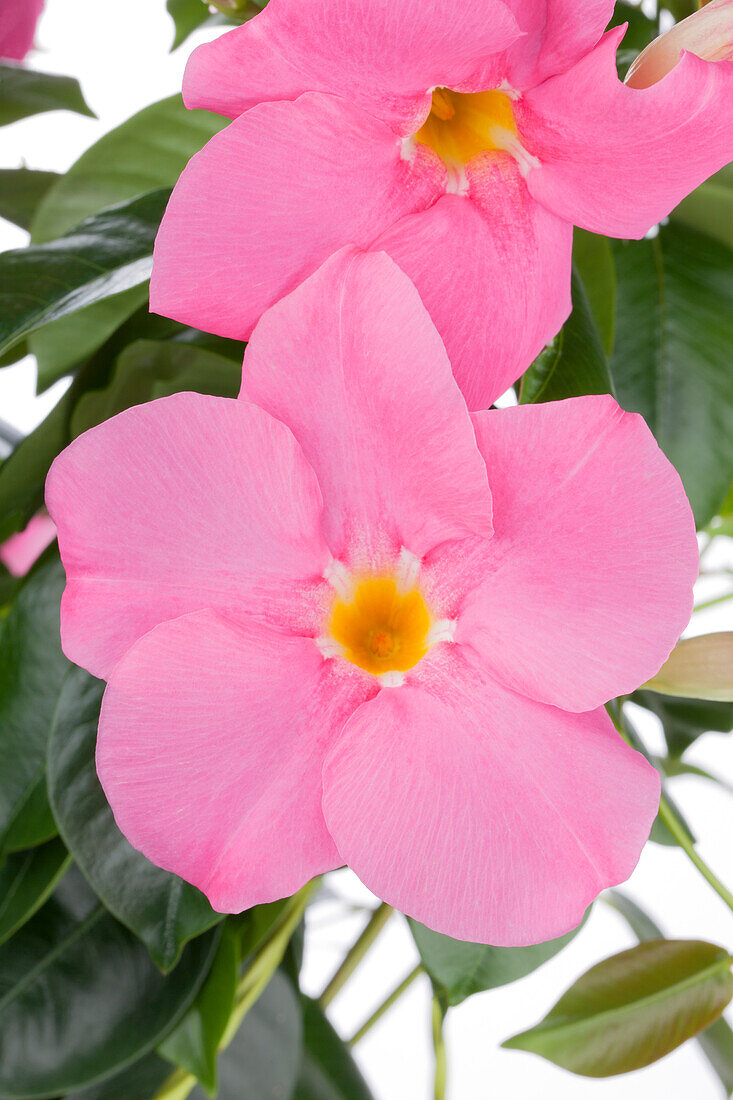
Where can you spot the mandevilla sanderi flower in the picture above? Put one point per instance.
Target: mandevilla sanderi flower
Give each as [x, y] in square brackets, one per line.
[20, 552]
[465, 139]
[343, 621]
[18, 19]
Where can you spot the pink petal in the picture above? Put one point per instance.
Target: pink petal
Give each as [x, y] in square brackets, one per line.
[180, 504]
[556, 35]
[18, 19]
[588, 579]
[211, 744]
[708, 33]
[493, 270]
[486, 816]
[381, 56]
[352, 363]
[21, 551]
[616, 159]
[269, 199]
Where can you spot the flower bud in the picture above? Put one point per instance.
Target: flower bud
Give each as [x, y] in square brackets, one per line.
[708, 33]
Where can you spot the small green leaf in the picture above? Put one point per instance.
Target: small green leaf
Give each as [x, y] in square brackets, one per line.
[698, 668]
[161, 909]
[27, 879]
[21, 190]
[327, 1071]
[194, 1044]
[684, 720]
[458, 969]
[632, 1009]
[32, 669]
[574, 363]
[25, 92]
[78, 987]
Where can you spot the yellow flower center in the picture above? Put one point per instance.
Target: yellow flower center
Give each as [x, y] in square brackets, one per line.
[462, 125]
[382, 629]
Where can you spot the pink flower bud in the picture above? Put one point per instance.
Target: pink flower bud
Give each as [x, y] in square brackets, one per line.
[707, 33]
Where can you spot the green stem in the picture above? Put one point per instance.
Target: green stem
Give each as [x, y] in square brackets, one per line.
[374, 926]
[711, 603]
[441, 1064]
[670, 820]
[251, 985]
[385, 1005]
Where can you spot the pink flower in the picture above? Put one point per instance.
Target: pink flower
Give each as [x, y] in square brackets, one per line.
[473, 190]
[18, 20]
[343, 621]
[21, 551]
[707, 33]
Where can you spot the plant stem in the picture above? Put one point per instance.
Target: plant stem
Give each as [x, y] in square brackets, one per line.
[441, 1064]
[715, 600]
[251, 985]
[385, 1005]
[374, 926]
[679, 834]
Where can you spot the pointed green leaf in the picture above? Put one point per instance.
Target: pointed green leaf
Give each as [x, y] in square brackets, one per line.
[328, 1071]
[27, 879]
[160, 908]
[684, 720]
[25, 92]
[633, 1008]
[21, 190]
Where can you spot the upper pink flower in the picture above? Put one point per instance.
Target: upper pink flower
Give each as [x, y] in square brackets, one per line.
[18, 20]
[465, 139]
[343, 621]
[21, 551]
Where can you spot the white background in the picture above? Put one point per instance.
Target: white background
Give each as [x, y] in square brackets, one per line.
[119, 52]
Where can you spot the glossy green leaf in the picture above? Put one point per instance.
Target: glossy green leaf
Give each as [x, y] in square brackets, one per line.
[104, 255]
[193, 1045]
[263, 1058]
[698, 668]
[458, 969]
[160, 908]
[188, 16]
[632, 1009]
[684, 720]
[140, 1081]
[709, 209]
[34, 823]
[21, 190]
[671, 357]
[80, 996]
[157, 368]
[32, 669]
[574, 363]
[26, 881]
[147, 152]
[328, 1071]
[594, 264]
[25, 92]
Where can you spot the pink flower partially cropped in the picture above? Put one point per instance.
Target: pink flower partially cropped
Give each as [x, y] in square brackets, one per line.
[21, 551]
[343, 621]
[18, 19]
[464, 139]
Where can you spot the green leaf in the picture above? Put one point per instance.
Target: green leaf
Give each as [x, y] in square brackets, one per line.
[194, 1044]
[34, 823]
[684, 720]
[32, 669]
[188, 16]
[160, 908]
[327, 1072]
[632, 1009]
[80, 997]
[593, 260]
[26, 881]
[458, 969]
[709, 209]
[147, 152]
[25, 92]
[263, 1058]
[21, 190]
[641, 31]
[105, 254]
[671, 357]
[136, 1082]
[155, 368]
[698, 668]
[574, 363]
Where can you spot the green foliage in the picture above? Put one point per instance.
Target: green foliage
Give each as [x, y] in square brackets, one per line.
[79, 986]
[26, 881]
[684, 720]
[161, 909]
[21, 190]
[633, 1008]
[327, 1071]
[25, 92]
[458, 969]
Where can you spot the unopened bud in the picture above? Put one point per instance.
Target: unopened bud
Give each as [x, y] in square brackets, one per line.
[708, 33]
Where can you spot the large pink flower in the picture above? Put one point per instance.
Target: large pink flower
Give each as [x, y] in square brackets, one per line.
[343, 621]
[465, 139]
[21, 551]
[18, 20]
